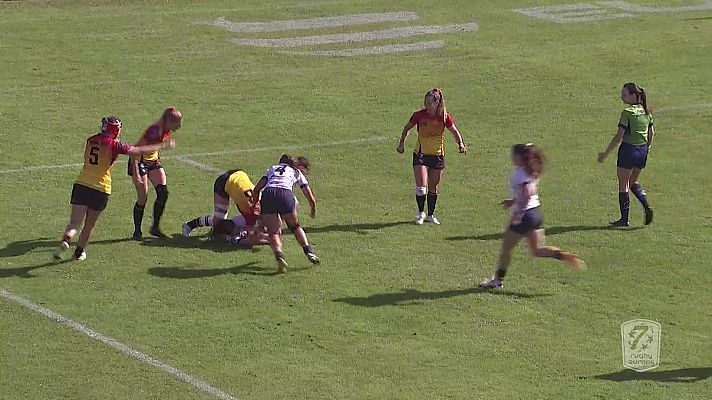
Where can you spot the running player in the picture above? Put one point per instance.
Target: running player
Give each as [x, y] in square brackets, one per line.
[526, 218]
[148, 167]
[429, 153]
[635, 135]
[92, 188]
[278, 203]
[235, 185]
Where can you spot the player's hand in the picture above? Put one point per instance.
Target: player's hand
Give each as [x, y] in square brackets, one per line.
[601, 156]
[400, 148]
[462, 148]
[507, 204]
[312, 213]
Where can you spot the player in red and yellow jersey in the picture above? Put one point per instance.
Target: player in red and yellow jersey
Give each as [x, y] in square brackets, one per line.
[429, 153]
[148, 168]
[235, 185]
[92, 188]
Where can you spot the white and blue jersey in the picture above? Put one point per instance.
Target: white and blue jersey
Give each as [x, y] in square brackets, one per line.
[284, 176]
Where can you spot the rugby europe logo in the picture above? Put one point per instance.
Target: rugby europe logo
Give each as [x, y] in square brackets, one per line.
[291, 44]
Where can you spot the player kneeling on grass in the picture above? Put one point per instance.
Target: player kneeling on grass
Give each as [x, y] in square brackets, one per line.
[236, 232]
[526, 218]
[278, 203]
[92, 188]
[235, 185]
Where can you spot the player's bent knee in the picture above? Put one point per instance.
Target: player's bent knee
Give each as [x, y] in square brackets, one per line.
[293, 228]
[421, 190]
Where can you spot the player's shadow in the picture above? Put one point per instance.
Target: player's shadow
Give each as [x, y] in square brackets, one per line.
[25, 272]
[178, 241]
[189, 273]
[411, 296]
[22, 247]
[684, 375]
[355, 227]
[556, 230]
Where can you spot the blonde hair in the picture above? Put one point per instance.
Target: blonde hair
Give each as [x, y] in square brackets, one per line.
[441, 111]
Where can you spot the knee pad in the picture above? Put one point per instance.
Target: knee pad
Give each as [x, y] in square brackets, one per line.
[421, 190]
[161, 193]
[293, 228]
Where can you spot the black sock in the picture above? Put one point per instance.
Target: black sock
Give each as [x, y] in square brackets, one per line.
[307, 249]
[420, 199]
[500, 273]
[138, 216]
[66, 239]
[195, 223]
[624, 203]
[78, 251]
[432, 200]
[640, 194]
[158, 208]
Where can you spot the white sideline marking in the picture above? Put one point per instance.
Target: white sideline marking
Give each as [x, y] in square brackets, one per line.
[395, 33]
[198, 165]
[625, 6]
[113, 343]
[394, 48]
[216, 153]
[324, 22]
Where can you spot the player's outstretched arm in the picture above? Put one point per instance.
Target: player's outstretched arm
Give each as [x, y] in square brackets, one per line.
[312, 200]
[458, 139]
[617, 138]
[257, 191]
[404, 135]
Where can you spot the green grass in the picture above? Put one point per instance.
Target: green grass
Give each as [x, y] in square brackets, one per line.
[391, 312]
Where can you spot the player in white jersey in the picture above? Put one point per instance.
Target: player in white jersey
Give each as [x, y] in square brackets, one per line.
[276, 196]
[526, 218]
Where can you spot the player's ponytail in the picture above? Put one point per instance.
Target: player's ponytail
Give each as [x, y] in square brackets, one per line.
[644, 101]
[301, 164]
[532, 158]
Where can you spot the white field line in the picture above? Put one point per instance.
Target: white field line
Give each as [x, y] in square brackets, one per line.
[186, 157]
[314, 23]
[394, 48]
[634, 8]
[199, 165]
[116, 345]
[683, 107]
[395, 33]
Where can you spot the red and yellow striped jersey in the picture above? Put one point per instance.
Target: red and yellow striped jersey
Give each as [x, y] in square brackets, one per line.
[100, 153]
[430, 132]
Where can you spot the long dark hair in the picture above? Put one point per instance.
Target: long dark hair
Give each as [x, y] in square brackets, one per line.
[640, 96]
[532, 157]
[300, 164]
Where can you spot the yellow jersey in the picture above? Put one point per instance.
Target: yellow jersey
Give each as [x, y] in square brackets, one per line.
[430, 132]
[100, 153]
[240, 189]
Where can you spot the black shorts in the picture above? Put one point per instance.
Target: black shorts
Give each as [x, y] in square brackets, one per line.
[219, 186]
[86, 196]
[532, 220]
[277, 201]
[434, 162]
[632, 156]
[145, 166]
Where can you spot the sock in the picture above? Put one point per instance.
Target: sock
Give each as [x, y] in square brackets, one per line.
[421, 202]
[78, 251]
[201, 221]
[500, 273]
[158, 208]
[138, 216]
[640, 194]
[624, 203]
[66, 238]
[432, 200]
[307, 249]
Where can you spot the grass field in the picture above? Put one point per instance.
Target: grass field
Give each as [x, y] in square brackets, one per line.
[392, 312]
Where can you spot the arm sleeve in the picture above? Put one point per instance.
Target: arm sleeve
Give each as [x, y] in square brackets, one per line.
[449, 122]
[625, 120]
[118, 147]
[302, 180]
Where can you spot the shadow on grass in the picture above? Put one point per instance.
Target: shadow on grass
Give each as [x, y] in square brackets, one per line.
[685, 375]
[22, 247]
[556, 230]
[355, 227]
[411, 295]
[178, 241]
[24, 272]
[189, 273]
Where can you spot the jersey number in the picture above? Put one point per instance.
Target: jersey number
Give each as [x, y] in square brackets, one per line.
[281, 169]
[248, 194]
[94, 156]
